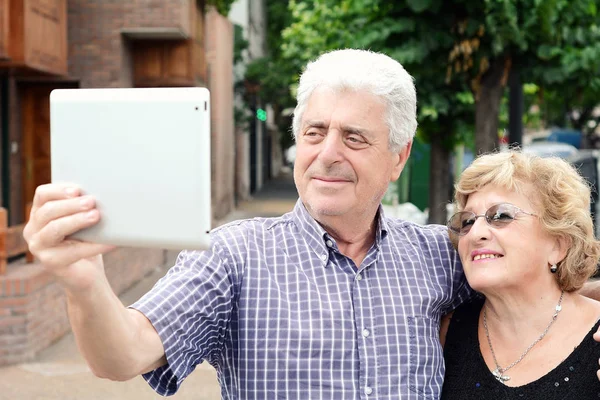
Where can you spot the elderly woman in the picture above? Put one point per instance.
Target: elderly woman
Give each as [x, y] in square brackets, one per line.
[526, 240]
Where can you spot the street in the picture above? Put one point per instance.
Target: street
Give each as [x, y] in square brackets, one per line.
[60, 372]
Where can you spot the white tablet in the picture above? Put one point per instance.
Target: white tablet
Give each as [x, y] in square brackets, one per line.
[144, 154]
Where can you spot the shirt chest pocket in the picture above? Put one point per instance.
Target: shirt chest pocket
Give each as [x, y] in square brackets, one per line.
[425, 357]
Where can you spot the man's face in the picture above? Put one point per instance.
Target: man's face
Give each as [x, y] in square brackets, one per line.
[343, 162]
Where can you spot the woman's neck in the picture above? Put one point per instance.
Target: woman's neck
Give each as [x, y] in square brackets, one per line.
[521, 332]
[513, 314]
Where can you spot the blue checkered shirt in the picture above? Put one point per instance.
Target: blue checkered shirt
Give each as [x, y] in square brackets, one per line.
[282, 314]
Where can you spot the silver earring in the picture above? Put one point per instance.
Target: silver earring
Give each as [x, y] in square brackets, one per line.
[553, 268]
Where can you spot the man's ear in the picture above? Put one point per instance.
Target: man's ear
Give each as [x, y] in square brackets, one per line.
[400, 161]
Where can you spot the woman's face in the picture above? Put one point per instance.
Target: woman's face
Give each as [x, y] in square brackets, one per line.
[511, 256]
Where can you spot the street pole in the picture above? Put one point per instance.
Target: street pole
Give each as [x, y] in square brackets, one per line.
[515, 108]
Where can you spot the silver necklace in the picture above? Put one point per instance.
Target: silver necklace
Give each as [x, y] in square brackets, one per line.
[499, 371]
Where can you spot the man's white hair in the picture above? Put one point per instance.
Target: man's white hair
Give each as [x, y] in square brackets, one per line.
[352, 69]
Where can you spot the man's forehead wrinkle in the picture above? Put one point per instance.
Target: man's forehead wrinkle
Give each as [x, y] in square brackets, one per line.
[354, 129]
[316, 123]
[344, 127]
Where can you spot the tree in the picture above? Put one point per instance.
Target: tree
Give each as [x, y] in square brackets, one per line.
[453, 47]
[570, 75]
[552, 42]
[404, 31]
[273, 75]
[222, 6]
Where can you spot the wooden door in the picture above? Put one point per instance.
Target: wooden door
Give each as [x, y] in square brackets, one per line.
[35, 106]
[163, 63]
[3, 29]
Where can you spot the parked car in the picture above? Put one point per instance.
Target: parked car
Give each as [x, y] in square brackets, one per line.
[550, 149]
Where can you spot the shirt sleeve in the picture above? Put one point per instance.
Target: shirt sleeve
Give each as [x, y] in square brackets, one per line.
[190, 308]
[461, 291]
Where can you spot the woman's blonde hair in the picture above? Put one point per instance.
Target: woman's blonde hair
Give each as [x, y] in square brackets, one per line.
[561, 196]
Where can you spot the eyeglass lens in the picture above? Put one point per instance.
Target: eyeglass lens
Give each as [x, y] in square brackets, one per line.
[497, 216]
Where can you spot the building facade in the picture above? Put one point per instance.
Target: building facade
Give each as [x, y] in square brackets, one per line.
[50, 44]
[258, 153]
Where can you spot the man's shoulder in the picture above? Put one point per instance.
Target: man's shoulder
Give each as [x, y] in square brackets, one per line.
[250, 226]
[407, 228]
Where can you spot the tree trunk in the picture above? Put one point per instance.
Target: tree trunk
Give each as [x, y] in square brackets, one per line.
[439, 182]
[487, 106]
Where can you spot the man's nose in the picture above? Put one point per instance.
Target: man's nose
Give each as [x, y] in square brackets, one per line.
[332, 148]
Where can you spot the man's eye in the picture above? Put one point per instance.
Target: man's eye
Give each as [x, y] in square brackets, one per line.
[355, 139]
[356, 142]
[313, 135]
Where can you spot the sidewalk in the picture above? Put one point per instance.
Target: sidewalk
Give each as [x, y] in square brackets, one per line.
[59, 372]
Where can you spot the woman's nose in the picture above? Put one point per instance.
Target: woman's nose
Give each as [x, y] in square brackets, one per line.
[480, 229]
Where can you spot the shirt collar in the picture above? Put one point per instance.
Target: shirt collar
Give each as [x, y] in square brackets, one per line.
[316, 237]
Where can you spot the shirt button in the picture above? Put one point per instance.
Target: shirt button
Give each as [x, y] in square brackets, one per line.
[323, 257]
[366, 333]
[368, 390]
[329, 243]
[359, 277]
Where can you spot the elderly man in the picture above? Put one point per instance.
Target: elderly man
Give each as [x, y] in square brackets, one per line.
[332, 300]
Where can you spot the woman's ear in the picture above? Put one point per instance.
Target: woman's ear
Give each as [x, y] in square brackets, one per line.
[559, 252]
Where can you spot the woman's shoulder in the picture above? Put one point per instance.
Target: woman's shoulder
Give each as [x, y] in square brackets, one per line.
[576, 375]
[470, 309]
[462, 322]
[590, 307]
[586, 318]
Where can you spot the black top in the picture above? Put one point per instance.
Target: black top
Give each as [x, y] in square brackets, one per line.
[468, 377]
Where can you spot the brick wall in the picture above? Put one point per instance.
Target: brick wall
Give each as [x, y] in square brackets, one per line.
[32, 305]
[100, 56]
[3, 82]
[98, 53]
[219, 60]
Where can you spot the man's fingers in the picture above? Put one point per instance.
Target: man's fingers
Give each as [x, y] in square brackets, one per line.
[71, 252]
[43, 195]
[56, 209]
[53, 191]
[53, 233]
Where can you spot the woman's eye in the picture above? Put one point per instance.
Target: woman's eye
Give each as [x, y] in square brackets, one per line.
[502, 216]
[468, 222]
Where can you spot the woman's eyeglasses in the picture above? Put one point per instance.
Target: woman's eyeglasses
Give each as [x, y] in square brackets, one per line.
[497, 216]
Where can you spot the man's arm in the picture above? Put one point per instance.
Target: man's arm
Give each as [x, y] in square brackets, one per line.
[444, 325]
[117, 343]
[591, 289]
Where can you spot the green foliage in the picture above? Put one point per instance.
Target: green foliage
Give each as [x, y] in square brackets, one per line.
[448, 46]
[270, 78]
[419, 6]
[406, 32]
[240, 44]
[222, 6]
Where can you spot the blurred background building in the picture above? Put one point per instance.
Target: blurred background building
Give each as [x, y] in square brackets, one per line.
[50, 44]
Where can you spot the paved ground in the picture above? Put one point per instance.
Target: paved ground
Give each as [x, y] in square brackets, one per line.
[60, 372]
